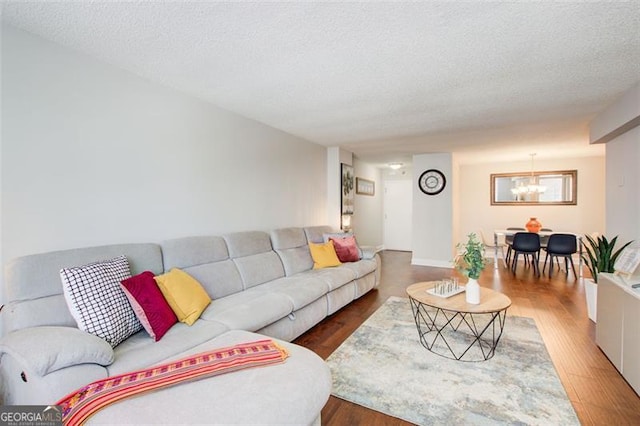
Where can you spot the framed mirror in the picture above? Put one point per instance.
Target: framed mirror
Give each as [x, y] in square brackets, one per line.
[539, 188]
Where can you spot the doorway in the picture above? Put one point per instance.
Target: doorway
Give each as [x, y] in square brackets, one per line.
[398, 206]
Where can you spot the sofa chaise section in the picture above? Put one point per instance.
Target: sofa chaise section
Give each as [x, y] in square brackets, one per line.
[293, 393]
[35, 302]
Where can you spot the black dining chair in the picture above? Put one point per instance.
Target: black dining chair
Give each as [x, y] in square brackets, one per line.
[544, 239]
[508, 239]
[526, 243]
[561, 245]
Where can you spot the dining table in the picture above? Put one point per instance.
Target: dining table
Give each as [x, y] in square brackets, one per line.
[497, 233]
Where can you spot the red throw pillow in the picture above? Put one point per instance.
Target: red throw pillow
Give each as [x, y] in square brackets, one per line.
[346, 249]
[149, 304]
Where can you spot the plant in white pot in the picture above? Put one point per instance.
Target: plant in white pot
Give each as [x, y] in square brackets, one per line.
[599, 256]
[470, 261]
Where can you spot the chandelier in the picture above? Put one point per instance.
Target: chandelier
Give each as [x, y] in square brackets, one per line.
[533, 187]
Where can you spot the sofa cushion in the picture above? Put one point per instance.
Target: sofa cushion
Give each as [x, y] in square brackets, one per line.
[259, 268]
[285, 238]
[324, 255]
[301, 290]
[33, 289]
[332, 277]
[48, 310]
[248, 310]
[254, 257]
[219, 279]
[295, 260]
[43, 350]
[140, 350]
[207, 260]
[341, 235]
[43, 269]
[192, 251]
[315, 233]
[242, 244]
[184, 294]
[346, 248]
[291, 245]
[369, 252]
[290, 327]
[340, 297]
[149, 304]
[364, 284]
[361, 267]
[97, 301]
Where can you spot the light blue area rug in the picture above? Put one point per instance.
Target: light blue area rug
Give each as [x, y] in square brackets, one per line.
[383, 366]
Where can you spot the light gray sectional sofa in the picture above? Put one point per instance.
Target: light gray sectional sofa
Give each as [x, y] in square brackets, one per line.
[259, 283]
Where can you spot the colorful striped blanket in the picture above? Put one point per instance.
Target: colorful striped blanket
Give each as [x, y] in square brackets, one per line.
[78, 406]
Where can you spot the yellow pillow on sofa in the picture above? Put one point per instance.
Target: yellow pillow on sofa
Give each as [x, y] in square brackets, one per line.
[324, 255]
[184, 294]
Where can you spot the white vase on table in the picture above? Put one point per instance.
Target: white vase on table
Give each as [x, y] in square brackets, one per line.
[472, 291]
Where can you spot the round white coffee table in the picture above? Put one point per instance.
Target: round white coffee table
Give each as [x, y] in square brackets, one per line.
[455, 329]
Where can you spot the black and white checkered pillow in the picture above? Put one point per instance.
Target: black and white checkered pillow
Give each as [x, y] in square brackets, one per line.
[97, 302]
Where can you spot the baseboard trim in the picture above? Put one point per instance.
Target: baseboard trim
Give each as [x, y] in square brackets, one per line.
[432, 262]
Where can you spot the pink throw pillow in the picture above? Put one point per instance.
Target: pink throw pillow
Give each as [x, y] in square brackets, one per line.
[149, 304]
[346, 249]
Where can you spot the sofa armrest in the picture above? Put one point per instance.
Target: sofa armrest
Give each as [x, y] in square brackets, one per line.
[369, 252]
[43, 350]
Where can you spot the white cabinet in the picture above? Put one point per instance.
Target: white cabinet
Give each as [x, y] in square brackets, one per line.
[631, 343]
[617, 331]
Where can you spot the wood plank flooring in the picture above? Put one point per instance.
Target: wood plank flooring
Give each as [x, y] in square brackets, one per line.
[597, 391]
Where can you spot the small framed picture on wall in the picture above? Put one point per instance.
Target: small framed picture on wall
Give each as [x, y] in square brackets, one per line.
[347, 189]
[365, 187]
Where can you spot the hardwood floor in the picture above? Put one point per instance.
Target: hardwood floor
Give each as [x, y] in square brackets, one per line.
[597, 391]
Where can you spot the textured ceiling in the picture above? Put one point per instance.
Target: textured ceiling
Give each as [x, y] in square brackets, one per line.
[383, 80]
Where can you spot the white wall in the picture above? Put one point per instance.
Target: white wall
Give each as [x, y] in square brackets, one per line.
[619, 114]
[615, 127]
[476, 212]
[456, 200]
[403, 173]
[433, 215]
[623, 186]
[367, 219]
[94, 155]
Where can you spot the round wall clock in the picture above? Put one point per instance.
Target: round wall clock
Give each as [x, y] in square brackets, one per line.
[432, 182]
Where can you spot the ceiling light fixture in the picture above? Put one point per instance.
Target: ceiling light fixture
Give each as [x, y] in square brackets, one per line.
[533, 187]
[395, 166]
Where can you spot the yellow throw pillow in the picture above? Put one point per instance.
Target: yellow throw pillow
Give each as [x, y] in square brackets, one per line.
[184, 294]
[324, 255]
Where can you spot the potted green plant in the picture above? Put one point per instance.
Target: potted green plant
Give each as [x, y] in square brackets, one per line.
[470, 262]
[599, 256]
